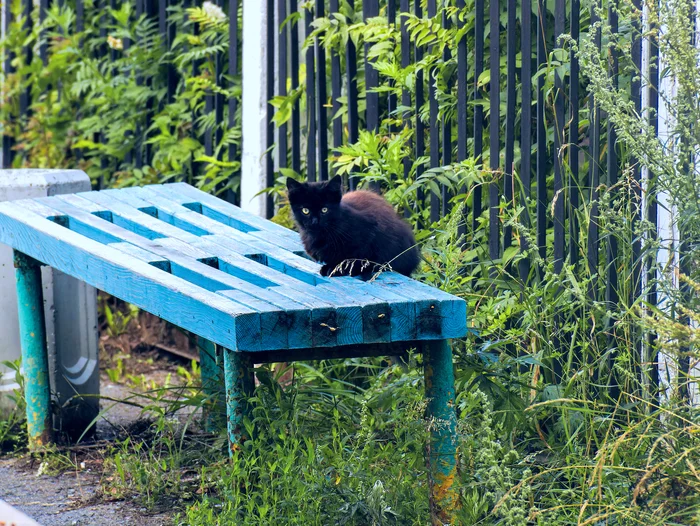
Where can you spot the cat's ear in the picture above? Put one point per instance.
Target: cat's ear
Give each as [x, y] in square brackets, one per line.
[292, 184]
[335, 185]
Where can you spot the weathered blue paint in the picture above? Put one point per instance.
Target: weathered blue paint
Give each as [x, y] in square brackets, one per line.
[238, 377]
[35, 362]
[238, 282]
[442, 457]
[212, 370]
[176, 238]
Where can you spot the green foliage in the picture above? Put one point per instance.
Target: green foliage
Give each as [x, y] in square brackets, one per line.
[13, 429]
[102, 103]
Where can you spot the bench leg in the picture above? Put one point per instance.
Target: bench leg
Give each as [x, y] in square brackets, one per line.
[35, 362]
[212, 369]
[442, 456]
[238, 376]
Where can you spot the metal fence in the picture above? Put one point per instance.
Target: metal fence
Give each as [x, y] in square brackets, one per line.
[551, 145]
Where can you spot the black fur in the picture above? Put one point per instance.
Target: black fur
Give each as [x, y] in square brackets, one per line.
[358, 233]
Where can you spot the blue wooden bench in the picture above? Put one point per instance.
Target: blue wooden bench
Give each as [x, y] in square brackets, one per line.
[242, 284]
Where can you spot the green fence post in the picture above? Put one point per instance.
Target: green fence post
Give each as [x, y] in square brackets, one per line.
[238, 375]
[442, 457]
[35, 362]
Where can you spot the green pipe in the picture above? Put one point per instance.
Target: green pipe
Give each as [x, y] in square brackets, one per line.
[238, 376]
[35, 363]
[442, 458]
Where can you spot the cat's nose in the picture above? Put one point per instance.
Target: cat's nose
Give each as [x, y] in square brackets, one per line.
[314, 220]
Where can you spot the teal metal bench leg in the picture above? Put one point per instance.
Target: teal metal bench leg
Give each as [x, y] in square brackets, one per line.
[238, 376]
[212, 369]
[35, 362]
[442, 457]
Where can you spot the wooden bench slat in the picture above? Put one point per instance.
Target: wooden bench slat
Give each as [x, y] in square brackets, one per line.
[359, 318]
[176, 190]
[162, 198]
[187, 268]
[124, 276]
[322, 317]
[291, 307]
[274, 323]
[257, 266]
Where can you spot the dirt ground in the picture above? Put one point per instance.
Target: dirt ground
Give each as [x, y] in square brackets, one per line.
[149, 350]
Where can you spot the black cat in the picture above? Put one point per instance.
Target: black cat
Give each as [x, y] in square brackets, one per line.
[357, 233]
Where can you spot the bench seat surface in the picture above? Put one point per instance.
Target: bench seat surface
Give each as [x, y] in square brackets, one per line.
[221, 273]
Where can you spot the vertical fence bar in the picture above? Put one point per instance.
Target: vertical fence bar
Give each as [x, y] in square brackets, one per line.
[232, 73]
[209, 132]
[294, 66]
[336, 88]
[541, 139]
[113, 52]
[351, 74]
[152, 13]
[636, 240]
[282, 79]
[611, 289]
[420, 99]
[525, 126]
[7, 141]
[462, 99]
[172, 72]
[208, 135]
[494, 124]
[101, 52]
[218, 99]
[25, 97]
[43, 46]
[79, 16]
[594, 175]
[210, 104]
[574, 185]
[652, 205]
[446, 122]
[129, 135]
[370, 9]
[138, 152]
[509, 168]
[310, 102]
[321, 100]
[478, 108]
[433, 118]
[163, 26]
[612, 166]
[271, 31]
[558, 187]
[391, 100]
[405, 94]
[558, 194]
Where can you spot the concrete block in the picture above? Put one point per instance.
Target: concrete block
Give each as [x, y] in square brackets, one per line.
[70, 308]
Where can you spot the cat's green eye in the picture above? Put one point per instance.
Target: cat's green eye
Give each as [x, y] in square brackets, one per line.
[324, 210]
[305, 211]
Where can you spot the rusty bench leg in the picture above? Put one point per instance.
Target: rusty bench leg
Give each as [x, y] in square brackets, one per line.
[35, 362]
[212, 369]
[442, 456]
[238, 377]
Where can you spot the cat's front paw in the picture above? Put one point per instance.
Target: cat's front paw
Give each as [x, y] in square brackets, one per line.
[326, 270]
